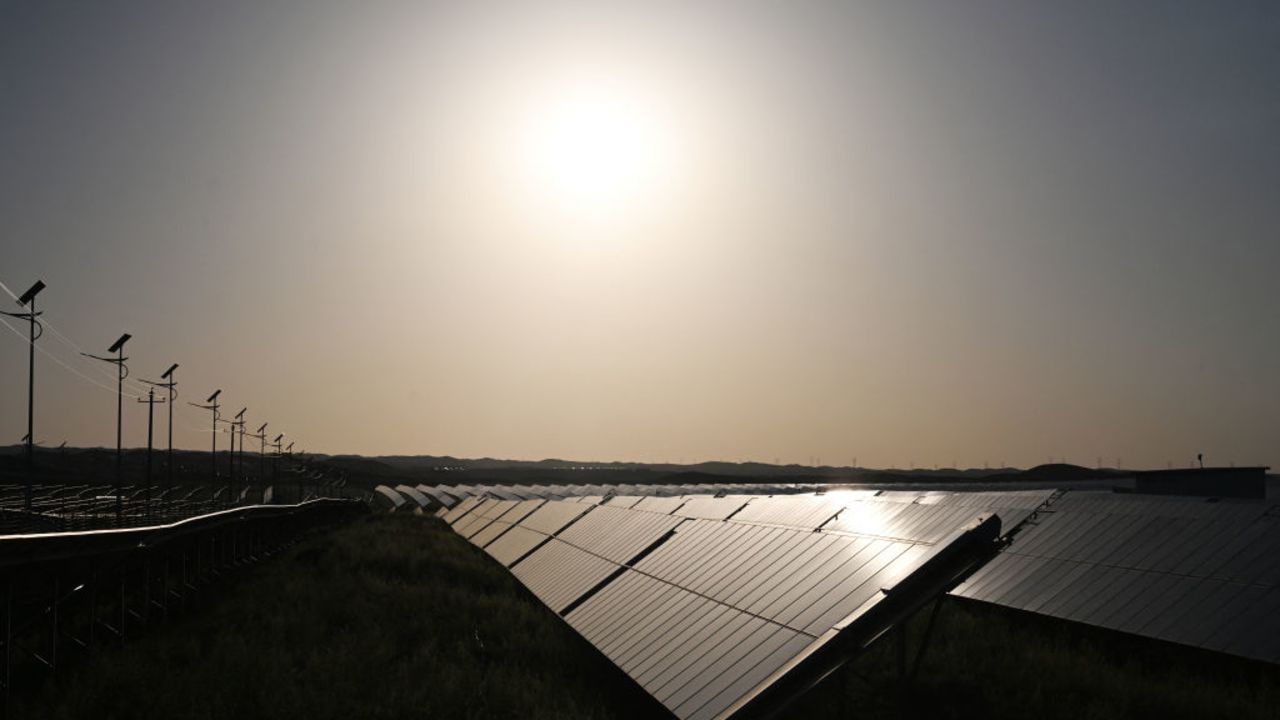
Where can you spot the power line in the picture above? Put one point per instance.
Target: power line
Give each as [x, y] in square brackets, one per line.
[65, 366]
[79, 351]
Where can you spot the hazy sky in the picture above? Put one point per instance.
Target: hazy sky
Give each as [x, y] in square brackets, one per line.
[904, 232]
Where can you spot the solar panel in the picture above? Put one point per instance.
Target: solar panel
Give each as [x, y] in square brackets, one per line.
[483, 516]
[706, 614]
[504, 522]
[694, 655]
[441, 497]
[552, 517]
[559, 573]
[798, 511]
[623, 501]
[460, 511]
[655, 504]
[396, 499]
[1191, 572]
[412, 493]
[514, 544]
[618, 534]
[711, 508]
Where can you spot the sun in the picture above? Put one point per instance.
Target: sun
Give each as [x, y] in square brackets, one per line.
[594, 149]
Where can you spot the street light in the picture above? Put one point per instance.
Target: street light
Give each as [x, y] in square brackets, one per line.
[275, 460]
[212, 404]
[237, 424]
[151, 404]
[122, 372]
[171, 386]
[28, 300]
[261, 436]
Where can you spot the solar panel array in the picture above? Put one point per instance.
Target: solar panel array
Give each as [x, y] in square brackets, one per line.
[1189, 571]
[432, 497]
[705, 595]
[706, 602]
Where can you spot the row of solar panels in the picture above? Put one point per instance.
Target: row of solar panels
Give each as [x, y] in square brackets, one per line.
[62, 508]
[431, 497]
[1185, 570]
[721, 605]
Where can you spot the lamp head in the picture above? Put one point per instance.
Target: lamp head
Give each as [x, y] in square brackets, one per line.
[31, 293]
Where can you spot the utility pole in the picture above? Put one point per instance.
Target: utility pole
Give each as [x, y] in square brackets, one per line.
[171, 386]
[275, 460]
[301, 479]
[235, 425]
[151, 404]
[122, 372]
[261, 437]
[241, 422]
[212, 404]
[28, 300]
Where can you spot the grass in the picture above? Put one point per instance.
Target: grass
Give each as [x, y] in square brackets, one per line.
[395, 616]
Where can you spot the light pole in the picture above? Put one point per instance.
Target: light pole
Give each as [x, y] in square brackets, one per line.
[28, 300]
[122, 372]
[151, 404]
[236, 424]
[289, 464]
[243, 474]
[171, 386]
[212, 404]
[275, 460]
[261, 435]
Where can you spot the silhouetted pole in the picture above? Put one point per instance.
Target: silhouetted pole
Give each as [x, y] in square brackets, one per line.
[122, 372]
[275, 460]
[243, 474]
[231, 487]
[28, 300]
[301, 478]
[151, 404]
[173, 396]
[171, 386]
[262, 458]
[212, 404]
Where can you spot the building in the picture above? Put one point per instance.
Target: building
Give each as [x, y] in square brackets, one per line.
[1232, 482]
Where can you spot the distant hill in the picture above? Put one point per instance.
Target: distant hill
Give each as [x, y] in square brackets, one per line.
[96, 465]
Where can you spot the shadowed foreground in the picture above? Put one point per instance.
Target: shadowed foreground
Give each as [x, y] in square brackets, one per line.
[395, 616]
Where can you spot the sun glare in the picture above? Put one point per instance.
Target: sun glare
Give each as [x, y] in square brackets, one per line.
[595, 150]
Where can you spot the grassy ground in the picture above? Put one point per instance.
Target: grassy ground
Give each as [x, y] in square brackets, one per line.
[395, 616]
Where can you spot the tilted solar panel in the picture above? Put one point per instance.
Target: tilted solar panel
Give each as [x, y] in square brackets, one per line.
[559, 573]
[505, 521]
[514, 544]
[616, 533]
[797, 511]
[711, 508]
[711, 615]
[1195, 573]
[485, 513]
[415, 495]
[657, 504]
[459, 511]
[396, 499]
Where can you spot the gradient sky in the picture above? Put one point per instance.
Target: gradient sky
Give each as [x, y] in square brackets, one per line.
[901, 232]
